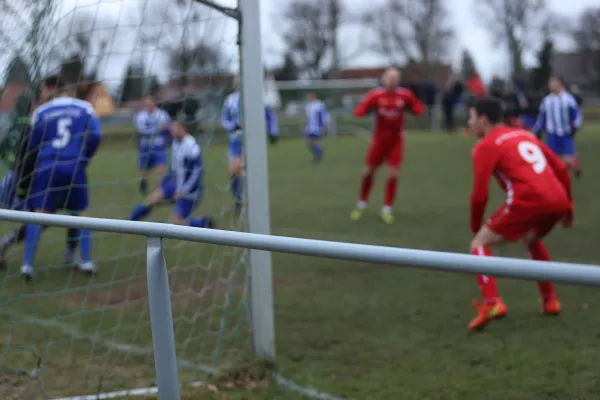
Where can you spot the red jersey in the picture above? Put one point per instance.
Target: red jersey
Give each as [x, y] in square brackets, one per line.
[532, 176]
[389, 107]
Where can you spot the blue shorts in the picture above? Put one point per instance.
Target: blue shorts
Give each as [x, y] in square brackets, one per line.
[152, 158]
[313, 135]
[184, 207]
[236, 147]
[561, 145]
[59, 186]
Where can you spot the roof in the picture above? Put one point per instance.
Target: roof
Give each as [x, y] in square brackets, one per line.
[411, 72]
[173, 89]
[9, 96]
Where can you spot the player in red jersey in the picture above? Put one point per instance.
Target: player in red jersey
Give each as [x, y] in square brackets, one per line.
[538, 196]
[389, 103]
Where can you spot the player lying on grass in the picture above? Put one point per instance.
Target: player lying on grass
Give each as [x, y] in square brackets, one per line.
[317, 120]
[65, 135]
[183, 184]
[561, 118]
[152, 125]
[389, 104]
[538, 196]
[14, 185]
[232, 123]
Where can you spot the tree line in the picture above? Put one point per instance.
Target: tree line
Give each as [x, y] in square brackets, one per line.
[319, 37]
[316, 39]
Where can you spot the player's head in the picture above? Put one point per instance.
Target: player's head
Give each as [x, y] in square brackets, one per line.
[391, 78]
[49, 88]
[311, 96]
[149, 102]
[179, 130]
[484, 114]
[556, 84]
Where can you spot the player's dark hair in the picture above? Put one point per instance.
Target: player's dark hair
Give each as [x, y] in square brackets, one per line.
[53, 81]
[489, 107]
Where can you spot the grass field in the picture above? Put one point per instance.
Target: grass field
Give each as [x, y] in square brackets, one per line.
[354, 330]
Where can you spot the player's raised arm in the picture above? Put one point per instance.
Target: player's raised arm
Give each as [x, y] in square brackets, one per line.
[484, 163]
[416, 106]
[575, 114]
[366, 104]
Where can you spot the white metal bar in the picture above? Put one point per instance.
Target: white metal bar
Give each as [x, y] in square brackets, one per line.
[580, 274]
[330, 84]
[257, 179]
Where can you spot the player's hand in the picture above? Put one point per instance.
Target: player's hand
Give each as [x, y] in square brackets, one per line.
[573, 131]
[177, 195]
[238, 127]
[567, 221]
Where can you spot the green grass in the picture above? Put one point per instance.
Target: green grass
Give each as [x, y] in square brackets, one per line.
[352, 329]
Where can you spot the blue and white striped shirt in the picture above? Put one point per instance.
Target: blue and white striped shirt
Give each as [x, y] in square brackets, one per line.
[231, 116]
[559, 115]
[317, 118]
[186, 166]
[152, 126]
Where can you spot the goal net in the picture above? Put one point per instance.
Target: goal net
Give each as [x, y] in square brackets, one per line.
[65, 333]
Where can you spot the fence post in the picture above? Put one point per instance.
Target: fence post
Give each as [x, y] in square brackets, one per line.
[161, 322]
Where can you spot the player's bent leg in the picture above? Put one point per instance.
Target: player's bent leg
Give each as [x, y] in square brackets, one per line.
[366, 184]
[538, 251]
[86, 264]
[391, 187]
[492, 306]
[143, 210]
[236, 168]
[182, 212]
[316, 148]
[32, 239]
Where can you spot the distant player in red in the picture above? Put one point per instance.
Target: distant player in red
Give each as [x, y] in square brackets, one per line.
[538, 197]
[387, 145]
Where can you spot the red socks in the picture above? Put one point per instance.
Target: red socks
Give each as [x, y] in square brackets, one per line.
[539, 252]
[487, 284]
[390, 191]
[366, 185]
[576, 167]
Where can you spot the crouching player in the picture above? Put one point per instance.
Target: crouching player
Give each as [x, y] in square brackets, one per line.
[65, 135]
[183, 184]
[538, 189]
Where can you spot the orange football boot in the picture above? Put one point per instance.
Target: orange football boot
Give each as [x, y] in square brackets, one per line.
[551, 307]
[486, 313]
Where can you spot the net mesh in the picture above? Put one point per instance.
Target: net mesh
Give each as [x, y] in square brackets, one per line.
[65, 333]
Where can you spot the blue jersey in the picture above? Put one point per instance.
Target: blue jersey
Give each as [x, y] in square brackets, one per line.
[559, 115]
[64, 130]
[317, 118]
[153, 128]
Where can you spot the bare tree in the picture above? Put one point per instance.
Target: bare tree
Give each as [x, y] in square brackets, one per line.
[587, 41]
[518, 25]
[313, 29]
[187, 33]
[418, 30]
[82, 46]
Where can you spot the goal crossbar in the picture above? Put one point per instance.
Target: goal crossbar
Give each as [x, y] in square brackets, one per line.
[161, 319]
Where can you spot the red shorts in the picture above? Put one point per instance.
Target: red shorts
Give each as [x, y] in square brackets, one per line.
[392, 153]
[514, 223]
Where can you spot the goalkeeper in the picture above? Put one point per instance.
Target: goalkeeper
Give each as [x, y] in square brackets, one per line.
[15, 183]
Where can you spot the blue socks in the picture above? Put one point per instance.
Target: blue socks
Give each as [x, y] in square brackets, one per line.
[236, 187]
[140, 212]
[85, 245]
[32, 238]
[317, 151]
[198, 222]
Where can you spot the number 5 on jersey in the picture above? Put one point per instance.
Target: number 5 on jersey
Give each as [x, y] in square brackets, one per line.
[63, 133]
[532, 154]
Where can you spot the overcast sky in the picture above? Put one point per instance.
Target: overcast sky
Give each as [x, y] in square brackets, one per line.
[470, 34]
